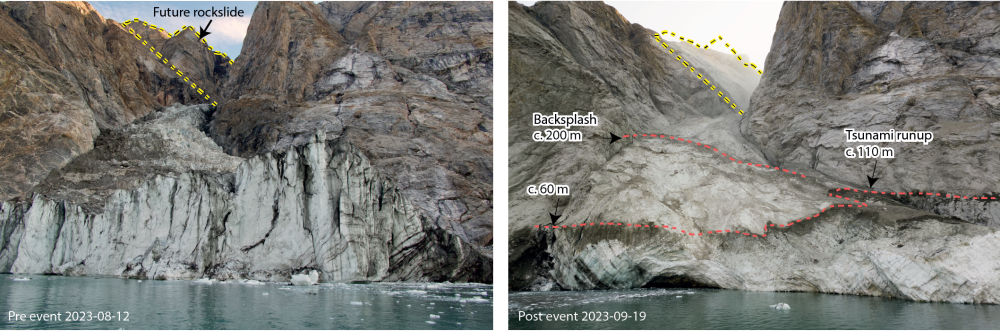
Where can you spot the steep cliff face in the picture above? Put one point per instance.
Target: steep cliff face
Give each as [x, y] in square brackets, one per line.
[67, 72]
[405, 82]
[702, 176]
[584, 57]
[907, 66]
[115, 172]
[319, 206]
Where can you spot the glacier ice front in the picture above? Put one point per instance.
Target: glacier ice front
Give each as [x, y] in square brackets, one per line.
[320, 206]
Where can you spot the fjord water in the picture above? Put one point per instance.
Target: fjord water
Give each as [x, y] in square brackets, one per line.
[729, 309]
[192, 305]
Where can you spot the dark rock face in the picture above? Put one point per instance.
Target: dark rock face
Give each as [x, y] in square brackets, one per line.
[913, 66]
[456, 40]
[407, 83]
[67, 72]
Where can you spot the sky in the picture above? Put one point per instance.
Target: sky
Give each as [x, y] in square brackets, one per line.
[226, 32]
[747, 25]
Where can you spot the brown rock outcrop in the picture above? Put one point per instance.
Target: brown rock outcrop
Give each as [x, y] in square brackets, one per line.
[66, 72]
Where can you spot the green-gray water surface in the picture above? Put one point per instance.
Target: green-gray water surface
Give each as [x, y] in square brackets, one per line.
[197, 305]
[667, 309]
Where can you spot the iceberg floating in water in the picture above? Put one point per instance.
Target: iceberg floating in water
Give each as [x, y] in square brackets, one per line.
[781, 306]
[356, 303]
[436, 316]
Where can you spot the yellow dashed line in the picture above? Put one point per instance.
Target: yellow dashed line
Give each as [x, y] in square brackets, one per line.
[712, 42]
[692, 69]
[173, 68]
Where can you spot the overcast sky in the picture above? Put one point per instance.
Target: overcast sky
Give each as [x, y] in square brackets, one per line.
[747, 25]
[226, 32]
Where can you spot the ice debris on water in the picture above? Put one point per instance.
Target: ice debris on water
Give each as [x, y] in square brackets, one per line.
[436, 316]
[429, 322]
[356, 303]
[781, 306]
[265, 293]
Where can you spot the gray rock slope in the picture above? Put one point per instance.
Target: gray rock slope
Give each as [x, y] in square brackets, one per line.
[567, 56]
[193, 211]
[914, 66]
[408, 83]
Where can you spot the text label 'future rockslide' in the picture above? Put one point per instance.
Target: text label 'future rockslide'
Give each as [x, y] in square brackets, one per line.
[224, 12]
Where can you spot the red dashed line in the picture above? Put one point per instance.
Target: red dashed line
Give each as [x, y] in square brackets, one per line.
[789, 224]
[947, 195]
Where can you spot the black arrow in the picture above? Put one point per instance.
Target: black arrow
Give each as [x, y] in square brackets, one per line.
[204, 31]
[872, 180]
[613, 138]
[555, 217]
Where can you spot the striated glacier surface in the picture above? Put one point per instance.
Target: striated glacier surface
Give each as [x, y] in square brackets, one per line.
[320, 206]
